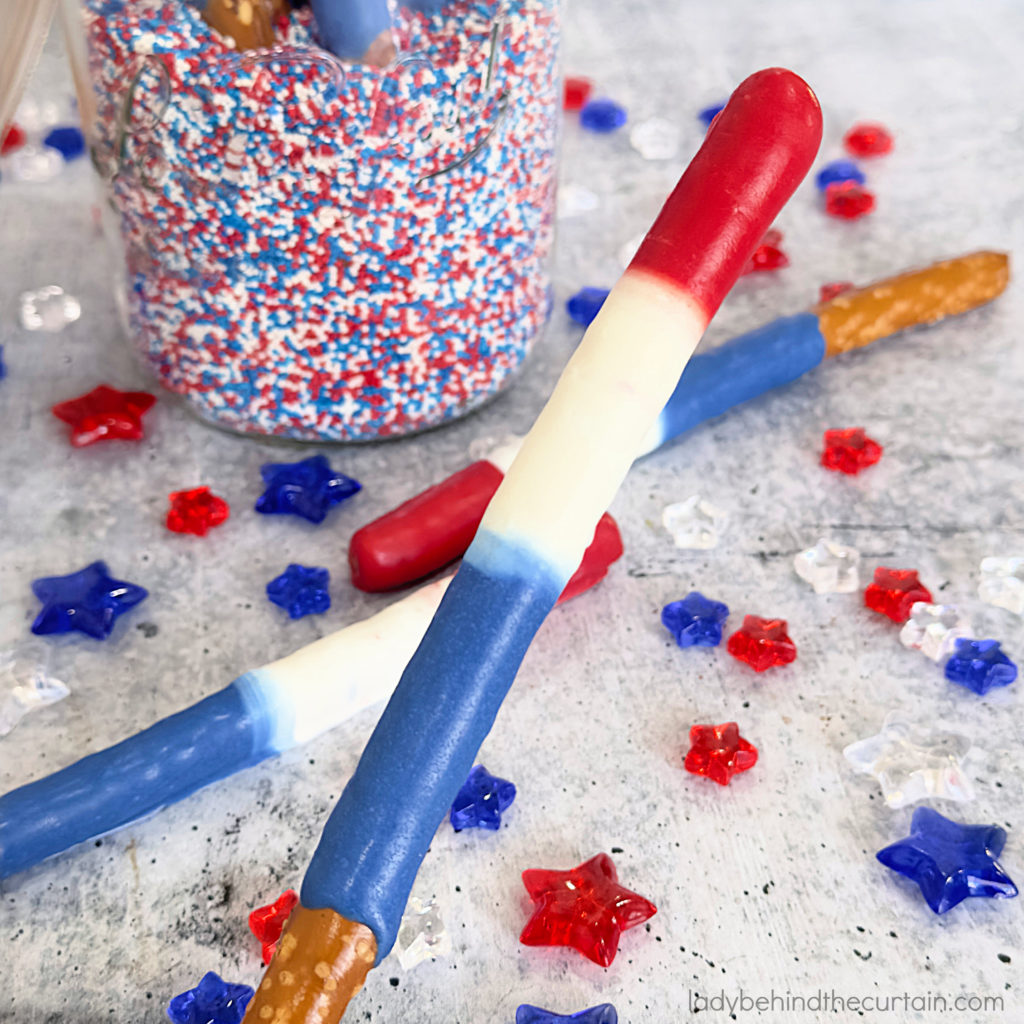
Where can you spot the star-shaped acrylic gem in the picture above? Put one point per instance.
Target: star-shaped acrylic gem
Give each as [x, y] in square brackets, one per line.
[829, 567]
[26, 684]
[848, 200]
[267, 923]
[768, 255]
[422, 934]
[212, 1001]
[762, 643]
[603, 1014]
[481, 801]
[88, 601]
[584, 908]
[849, 451]
[195, 511]
[832, 289]
[912, 763]
[307, 488]
[301, 590]
[695, 621]
[694, 523]
[932, 629]
[839, 171]
[894, 593]
[105, 414]
[980, 666]
[718, 752]
[708, 114]
[868, 139]
[950, 861]
[1002, 582]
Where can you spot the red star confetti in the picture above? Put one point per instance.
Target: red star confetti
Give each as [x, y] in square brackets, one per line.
[104, 414]
[867, 139]
[195, 511]
[577, 92]
[849, 451]
[267, 923]
[11, 138]
[894, 592]
[762, 643]
[584, 908]
[718, 752]
[848, 200]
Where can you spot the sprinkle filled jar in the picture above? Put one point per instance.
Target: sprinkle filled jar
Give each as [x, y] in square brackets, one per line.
[321, 249]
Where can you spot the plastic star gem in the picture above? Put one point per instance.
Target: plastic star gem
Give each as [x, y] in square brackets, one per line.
[481, 801]
[950, 861]
[212, 1001]
[932, 629]
[848, 200]
[602, 116]
[894, 593]
[195, 511]
[88, 601]
[68, 140]
[267, 923]
[656, 139]
[694, 523]
[422, 935]
[829, 567]
[708, 114]
[307, 488]
[586, 304]
[695, 621]
[603, 1014]
[48, 309]
[849, 451]
[1002, 583]
[584, 908]
[301, 590]
[980, 666]
[867, 139]
[26, 684]
[762, 643]
[577, 92]
[718, 752]
[832, 289]
[912, 763]
[105, 414]
[839, 171]
[768, 255]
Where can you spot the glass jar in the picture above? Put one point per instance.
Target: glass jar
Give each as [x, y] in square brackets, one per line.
[323, 250]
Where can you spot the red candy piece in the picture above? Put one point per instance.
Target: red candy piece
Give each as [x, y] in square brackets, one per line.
[104, 414]
[849, 451]
[13, 138]
[267, 923]
[577, 92]
[604, 549]
[867, 139]
[584, 908]
[762, 643]
[833, 288]
[718, 752]
[848, 200]
[894, 592]
[195, 511]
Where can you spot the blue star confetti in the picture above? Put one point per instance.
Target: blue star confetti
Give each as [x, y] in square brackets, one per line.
[603, 1014]
[950, 861]
[585, 304]
[839, 171]
[695, 621]
[980, 665]
[212, 1001]
[301, 590]
[88, 601]
[602, 116]
[481, 801]
[708, 114]
[67, 140]
[308, 488]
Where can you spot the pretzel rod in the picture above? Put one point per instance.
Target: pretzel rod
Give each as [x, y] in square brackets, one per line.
[259, 715]
[533, 533]
[435, 527]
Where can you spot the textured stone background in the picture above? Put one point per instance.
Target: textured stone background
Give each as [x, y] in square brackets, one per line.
[771, 883]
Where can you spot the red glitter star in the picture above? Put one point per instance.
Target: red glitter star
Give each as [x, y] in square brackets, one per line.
[762, 643]
[267, 923]
[104, 414]
[195, 511]
[868, 139]
[718, 752]
[894, 592]
[849, 451]
[584, 908]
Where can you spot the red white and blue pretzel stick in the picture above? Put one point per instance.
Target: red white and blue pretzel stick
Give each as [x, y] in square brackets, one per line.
[529, 542]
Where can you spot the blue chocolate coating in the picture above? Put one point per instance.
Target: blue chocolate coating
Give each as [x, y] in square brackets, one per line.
[347, 27]
[427, 739]
[741, 369]
[212, 739]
